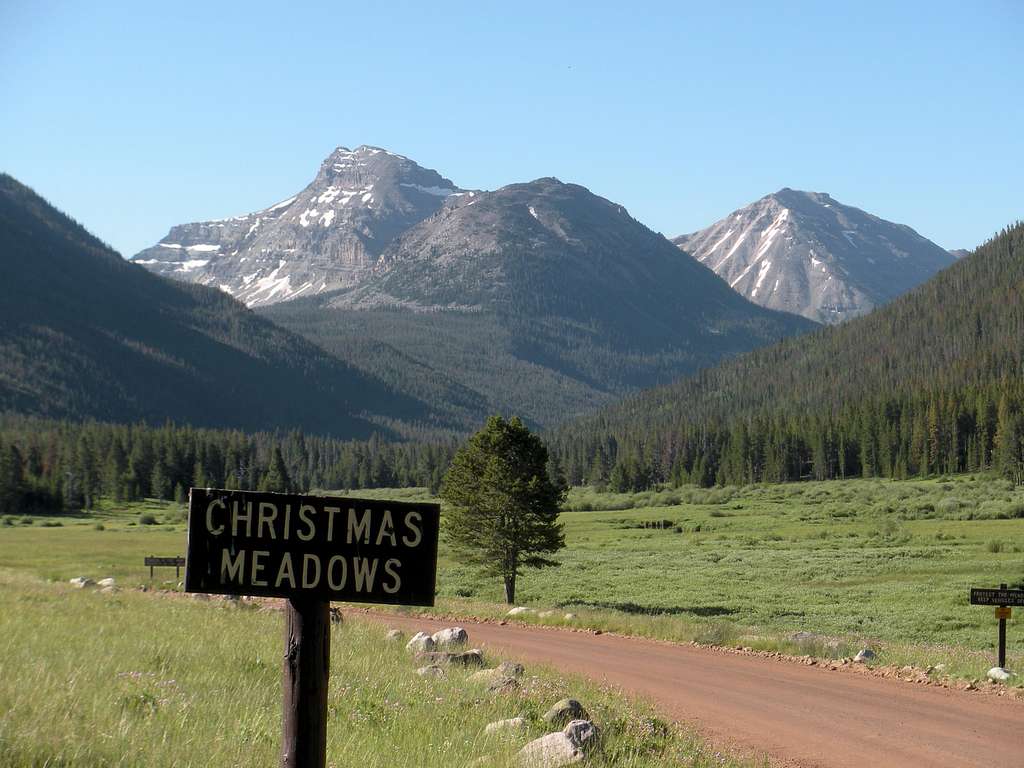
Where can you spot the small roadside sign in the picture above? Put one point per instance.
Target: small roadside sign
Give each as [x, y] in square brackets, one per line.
[1001, 596]
[1002, 599]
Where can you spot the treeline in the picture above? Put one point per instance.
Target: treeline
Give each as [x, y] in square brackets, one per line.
[975, 431]
[50, 466]
[931, 383]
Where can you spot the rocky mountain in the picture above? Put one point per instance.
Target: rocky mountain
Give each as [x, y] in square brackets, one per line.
[541, 299]
[328, 236]
[806, 253]
[86, 334]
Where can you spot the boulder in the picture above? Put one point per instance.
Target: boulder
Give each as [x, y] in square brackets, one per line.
[81, 582]
[545, 614]
[510, 669]
[505, 670]
[1000, 675]
[570, 617]
[504, 685]
[565, 711]
[450, 637]
[107, 582]
[863, 656]
[109, 590]
[420, 642]
[519, 611]
[570, 745]
[471, 658]
[395, 636]
[501, 726]
[431, 670]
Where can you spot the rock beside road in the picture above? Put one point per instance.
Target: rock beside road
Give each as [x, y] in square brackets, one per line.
[1000, 675]
[570, 745]
[565, 711]
[864, 655]
[81, 582]
[474, 657]
[450, 637]
[395, 636]
[420, 642]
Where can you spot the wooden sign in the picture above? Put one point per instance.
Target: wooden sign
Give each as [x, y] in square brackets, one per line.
[280, 545]
[1002, 598]
[173, 562]
[997, 596]
[310, 550]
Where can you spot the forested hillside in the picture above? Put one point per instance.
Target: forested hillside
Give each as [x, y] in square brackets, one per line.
[53, 466]
[932, 383]
[84, 334]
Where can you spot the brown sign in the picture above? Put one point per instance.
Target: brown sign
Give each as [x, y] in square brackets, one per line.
[997, 596]
[329, 548]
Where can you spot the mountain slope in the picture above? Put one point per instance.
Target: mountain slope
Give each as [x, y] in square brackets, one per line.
[84, 334]
[805, 253]
[327, 236]
[542, 298]
[932, 382]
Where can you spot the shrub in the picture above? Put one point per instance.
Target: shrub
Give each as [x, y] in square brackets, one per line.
[994, 546]
[147, 519]
[99, 527]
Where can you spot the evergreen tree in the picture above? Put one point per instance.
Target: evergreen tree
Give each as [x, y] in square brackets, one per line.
[504, 506]
[276, 479]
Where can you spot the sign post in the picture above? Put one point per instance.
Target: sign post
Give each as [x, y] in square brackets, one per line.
[1002, 598]
[310, 550]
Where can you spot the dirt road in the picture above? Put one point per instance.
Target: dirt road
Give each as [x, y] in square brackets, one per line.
[793, 714]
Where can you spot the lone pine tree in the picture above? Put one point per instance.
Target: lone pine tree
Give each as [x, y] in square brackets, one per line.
[504, 504]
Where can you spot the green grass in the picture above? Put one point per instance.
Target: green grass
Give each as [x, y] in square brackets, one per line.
[884, 563]
[888, 564]
[142, 679]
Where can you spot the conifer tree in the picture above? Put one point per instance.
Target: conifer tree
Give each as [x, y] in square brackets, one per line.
[504, 506]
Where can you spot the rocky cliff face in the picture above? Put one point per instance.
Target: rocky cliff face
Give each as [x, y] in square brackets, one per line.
[806, 253]
[326, 237]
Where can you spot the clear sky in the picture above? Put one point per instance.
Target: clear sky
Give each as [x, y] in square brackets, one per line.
[135, 116]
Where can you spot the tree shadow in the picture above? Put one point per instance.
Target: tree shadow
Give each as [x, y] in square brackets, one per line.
[654, 610]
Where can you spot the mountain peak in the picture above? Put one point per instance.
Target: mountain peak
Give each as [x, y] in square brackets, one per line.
[328, 236]
[807, 253]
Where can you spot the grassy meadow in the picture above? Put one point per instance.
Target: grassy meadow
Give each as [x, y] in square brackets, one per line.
[152, 680]
[872, 562]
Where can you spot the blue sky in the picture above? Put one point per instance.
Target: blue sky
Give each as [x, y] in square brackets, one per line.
[133, 119]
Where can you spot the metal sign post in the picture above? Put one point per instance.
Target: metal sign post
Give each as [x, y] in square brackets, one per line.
[310, 550]
[1002, 599]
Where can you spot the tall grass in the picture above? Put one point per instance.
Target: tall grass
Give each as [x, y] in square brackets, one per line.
[131, 679]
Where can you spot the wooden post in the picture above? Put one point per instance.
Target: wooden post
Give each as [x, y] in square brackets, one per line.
[1002, 638]
[307, 653]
